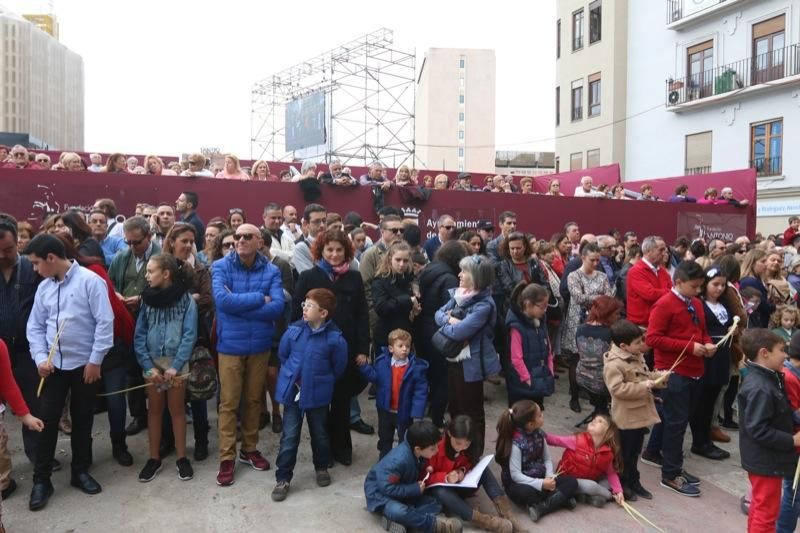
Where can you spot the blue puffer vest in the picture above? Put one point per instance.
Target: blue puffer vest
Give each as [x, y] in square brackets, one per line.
[535, 351]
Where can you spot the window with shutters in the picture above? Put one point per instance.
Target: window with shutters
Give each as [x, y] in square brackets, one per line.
[577, 30]
[769, 42]
[577, 100]
[698, 153]
[766, 147]
[594, 95]
[700, 70]
[576, 161]
[593, 158]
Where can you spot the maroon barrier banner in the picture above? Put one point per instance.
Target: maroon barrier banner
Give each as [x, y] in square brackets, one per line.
[711, 225]
[31, 195]
[743, 183]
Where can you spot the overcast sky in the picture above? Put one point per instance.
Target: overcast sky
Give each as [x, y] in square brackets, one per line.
[172, 76]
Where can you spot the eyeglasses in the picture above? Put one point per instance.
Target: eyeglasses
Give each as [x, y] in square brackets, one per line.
[319, 222]
[448, 228]
[396, 231]
[19, 154]
[245, 236]
[136, 242]
[309, 305]
[226, 245]
[42, 160]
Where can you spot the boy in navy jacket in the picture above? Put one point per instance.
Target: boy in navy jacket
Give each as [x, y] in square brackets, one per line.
[766, 433]
[313, 355]
[393, 487]
[402, 388]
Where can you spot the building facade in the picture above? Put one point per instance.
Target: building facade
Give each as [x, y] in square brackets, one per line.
[455, 110]
[714, 85]
[591, 84]
[41, 86]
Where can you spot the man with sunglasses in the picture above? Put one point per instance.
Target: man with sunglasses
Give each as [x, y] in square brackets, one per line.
[447, 232]
[248, 294]
[127, 271]
[19, 159]
[197, 167]
[314, 217]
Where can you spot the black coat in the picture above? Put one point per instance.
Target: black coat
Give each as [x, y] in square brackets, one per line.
[765, 424]
[391, 300]
[718, 367]
[352, 316]
[435, 282]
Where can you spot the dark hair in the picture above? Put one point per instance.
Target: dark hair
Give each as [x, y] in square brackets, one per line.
[469, 235]
[313, 208]
[236, 211]
[520, 414]
[697, 248]
[390, 218]
[180, 271]
[8, 224]
[352, 218]
[77, 225]
[419, 258]
[451, 253]
[412, 234]
[71, 252]
[218, 251]
[172, 235]
[531, 292]
[107, 205]
[625, 332]
[506, 215]
[192, 198]
[682, 242]
[755, 339]
[750, 292]
[603, 309]
[527, 250]
[323, 298]
[729, 267]
[389, 211]
[45, 244]
[681, 189]
[688, 271]
[266, 237]
[712, 272]
[329, 236]
[462, 427]
[589, 248]
[423, 434]
[633, 251]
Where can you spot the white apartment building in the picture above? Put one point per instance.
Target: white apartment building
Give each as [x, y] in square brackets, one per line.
[714, 85]
[455, 110]
[591, 49]
[41, 86]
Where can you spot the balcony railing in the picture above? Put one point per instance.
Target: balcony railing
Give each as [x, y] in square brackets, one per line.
[764, 68]
[696, 170]
[577, 113]
[767, 166]
[678, 9]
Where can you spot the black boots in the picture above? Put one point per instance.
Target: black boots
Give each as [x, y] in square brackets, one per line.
[556, 501]
[119, 450]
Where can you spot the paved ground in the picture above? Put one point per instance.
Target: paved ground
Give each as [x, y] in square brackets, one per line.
[200, 505]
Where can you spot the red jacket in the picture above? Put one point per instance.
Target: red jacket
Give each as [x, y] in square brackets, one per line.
[643, 289]
[669, 331]
[788, 235]
[443, 465]
[792, 393]
[9, 391]
[586, 462]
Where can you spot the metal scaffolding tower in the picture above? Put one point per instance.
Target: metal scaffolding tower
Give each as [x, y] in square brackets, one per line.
[369, 104]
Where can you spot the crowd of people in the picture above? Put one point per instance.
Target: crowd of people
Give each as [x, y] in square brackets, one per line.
[228, 166]
[293, 316]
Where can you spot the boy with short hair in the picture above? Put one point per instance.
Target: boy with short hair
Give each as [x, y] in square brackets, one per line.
[402, 388]
[632, 406]
[393, 488]
[677, 334]
[792, 230]
[313, 355]
[766, 435]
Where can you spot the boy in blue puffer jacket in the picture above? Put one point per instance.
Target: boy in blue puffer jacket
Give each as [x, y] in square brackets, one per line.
[394, 489]
[402, 388]
[313, 355]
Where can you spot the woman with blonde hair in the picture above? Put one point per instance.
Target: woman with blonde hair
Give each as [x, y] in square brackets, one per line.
[260, 172]
[778, 288]
[155, 166]
[403, 176]
[70, 161]
[440, 182]
[232, 169]
[754, 274]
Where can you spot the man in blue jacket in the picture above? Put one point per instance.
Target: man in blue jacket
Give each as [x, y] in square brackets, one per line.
[249, 299]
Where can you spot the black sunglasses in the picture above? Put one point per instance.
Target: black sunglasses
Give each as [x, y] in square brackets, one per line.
[396, 231]
[245, 236]
[228, 245]
[448, 228]
[136, 242]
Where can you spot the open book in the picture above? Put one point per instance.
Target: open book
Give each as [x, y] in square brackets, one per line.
[472, 478]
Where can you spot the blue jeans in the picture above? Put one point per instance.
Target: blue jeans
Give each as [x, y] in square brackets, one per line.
[114, 380]
[680, 401]
[453, 499]
[317, 419]
[787, 519]
[419, 514]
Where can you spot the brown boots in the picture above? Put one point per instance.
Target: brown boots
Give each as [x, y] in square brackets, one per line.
[505, 510]
[491, 522]
[447, 525]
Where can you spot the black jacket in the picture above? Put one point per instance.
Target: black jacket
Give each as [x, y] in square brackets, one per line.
[765, 424]
[391, 300]
[435, 282]
[352, 315]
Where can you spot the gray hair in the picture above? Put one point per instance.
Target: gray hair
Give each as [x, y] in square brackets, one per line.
[443, 218]
[726, 190]
[335, 162]
[480, 268]
[376, 164]
[135, 223]
[604, 241]
[650, 243]
[307, 166]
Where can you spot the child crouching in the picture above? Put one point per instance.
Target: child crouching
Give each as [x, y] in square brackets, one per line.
[527, 470]
[313, 355]
[393, 488]
[402, 388]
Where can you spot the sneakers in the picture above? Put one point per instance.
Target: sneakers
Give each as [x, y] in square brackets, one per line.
[681, 486]
[151, 468]
[185, 472]
[281, 491]
[254, 459]
[323, 478]
[225, 474]
[652, 458]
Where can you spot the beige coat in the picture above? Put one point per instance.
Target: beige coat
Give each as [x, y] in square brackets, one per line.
[632, 405]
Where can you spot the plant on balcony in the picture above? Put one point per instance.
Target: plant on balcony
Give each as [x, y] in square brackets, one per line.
[726, 81]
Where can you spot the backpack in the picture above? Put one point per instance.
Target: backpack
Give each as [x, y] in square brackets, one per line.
[202, 382]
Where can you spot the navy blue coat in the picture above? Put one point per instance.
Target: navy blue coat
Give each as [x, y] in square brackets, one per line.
[315, 357]
[413, 388]
[395, 477]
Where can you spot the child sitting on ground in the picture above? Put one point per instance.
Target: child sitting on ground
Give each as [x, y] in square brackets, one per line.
[393, 487]
[313, 355]
[527, 470]
[457, 454]
[784, 322]
[767, 439]
[633, 409]
[402, 388]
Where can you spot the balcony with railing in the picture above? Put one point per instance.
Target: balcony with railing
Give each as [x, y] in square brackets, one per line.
[682, 13]
[694, 171]
[777, 67]
[767, 166]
